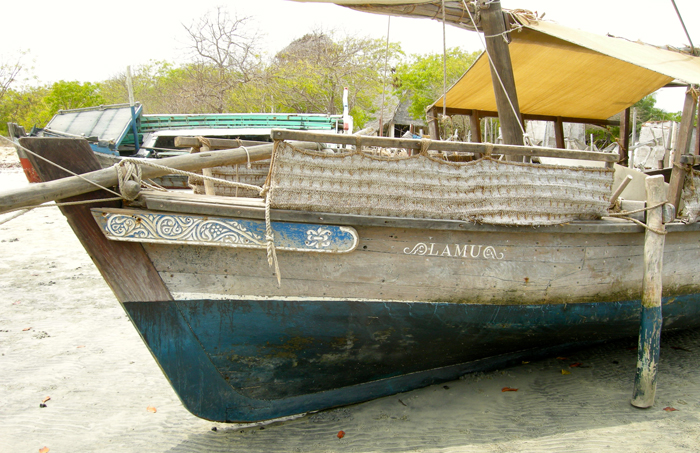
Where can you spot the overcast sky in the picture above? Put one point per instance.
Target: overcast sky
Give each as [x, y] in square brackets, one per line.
[92, 41]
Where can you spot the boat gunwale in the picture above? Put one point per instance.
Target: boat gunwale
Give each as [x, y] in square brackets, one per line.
[253, 208]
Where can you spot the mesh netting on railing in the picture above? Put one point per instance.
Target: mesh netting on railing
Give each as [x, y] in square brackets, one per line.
[485, 191]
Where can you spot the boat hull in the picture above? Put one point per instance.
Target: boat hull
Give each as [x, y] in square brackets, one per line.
[251, 360]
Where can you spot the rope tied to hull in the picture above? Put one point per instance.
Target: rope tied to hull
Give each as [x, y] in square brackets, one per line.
[625, 215]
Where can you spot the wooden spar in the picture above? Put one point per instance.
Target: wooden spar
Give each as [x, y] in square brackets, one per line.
[88, 182]
[678, 173]
[528, 116]
[214, 143]
[651, 316]
[484, 148]
[454, 12]
[494, 27]
[621, 188]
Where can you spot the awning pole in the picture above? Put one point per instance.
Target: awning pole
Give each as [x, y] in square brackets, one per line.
[494, 27]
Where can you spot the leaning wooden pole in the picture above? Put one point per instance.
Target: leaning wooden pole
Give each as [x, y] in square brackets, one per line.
[651, 318]
[494, 27]
[107, 177]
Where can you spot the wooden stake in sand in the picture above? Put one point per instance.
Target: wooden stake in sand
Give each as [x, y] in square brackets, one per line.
[651, 318]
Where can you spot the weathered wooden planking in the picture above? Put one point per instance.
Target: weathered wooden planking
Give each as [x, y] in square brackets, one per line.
[449, 266]
[254, 208]
[124, 266]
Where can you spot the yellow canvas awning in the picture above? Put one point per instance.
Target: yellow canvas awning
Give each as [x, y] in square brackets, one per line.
[560, 71]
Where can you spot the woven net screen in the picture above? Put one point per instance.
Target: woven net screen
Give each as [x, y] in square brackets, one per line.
[485, 191]
[255, 175]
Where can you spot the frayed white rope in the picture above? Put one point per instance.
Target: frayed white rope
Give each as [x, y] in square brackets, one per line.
[248, 165]
[270, 239]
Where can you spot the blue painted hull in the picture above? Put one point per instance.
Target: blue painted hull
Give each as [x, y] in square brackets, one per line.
[242, 360]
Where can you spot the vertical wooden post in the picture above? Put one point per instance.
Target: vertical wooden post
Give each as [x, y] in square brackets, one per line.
[559, 133]
[209, 187]
[132, 105]
[624, 137]
[433, 128]
[494, 27]
[475, 126]
[651, 317]
[675, 186]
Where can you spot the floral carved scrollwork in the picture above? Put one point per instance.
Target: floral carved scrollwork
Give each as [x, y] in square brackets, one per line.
[179, 228]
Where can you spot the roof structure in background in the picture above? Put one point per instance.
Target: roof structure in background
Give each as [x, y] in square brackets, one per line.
[560, 71]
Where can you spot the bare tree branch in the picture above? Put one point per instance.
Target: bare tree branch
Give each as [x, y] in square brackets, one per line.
[225, 56]
[9, 71]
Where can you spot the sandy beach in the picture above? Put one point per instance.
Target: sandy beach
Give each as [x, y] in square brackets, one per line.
[76, 377]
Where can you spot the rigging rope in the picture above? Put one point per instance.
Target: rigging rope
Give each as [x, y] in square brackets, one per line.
[386, 59]
[444, 63]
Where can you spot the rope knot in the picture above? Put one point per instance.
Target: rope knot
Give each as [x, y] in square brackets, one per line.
[129, 177]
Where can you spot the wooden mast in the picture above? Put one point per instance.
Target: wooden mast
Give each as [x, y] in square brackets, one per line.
[494, 27]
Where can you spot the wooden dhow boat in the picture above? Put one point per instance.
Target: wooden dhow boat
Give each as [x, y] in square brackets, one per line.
[370, 266]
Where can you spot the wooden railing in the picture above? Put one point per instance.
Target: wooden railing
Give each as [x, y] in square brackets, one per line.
[488, 149]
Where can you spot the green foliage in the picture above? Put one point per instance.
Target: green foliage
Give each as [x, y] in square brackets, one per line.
[646, 111]
[73, 95]
[420, 79]
[26, 107]
[602, 137]
[160, 86]
[35, 106]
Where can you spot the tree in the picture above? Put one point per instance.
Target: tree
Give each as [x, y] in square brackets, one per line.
[420, 79]
[158, 85]
[309, 75]
[225, 58]
[9, 71]
[73, 95]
